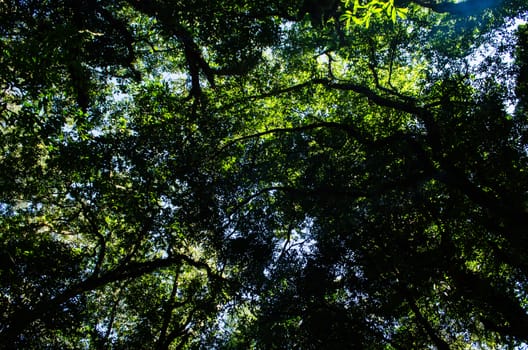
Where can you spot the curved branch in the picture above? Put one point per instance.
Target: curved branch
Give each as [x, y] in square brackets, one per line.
[350, 130]
[406, 105]
[29, 315]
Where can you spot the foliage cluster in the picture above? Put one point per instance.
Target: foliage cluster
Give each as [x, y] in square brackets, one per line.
[263, 174]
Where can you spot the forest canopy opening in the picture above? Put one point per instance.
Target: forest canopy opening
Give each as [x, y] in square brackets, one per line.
[294, 174]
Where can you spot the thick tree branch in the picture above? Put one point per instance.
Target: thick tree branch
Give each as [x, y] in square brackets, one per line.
[396, 101]
[350, 130]
[169, 307]
[132, 270]
[424, 323]
[402, 105]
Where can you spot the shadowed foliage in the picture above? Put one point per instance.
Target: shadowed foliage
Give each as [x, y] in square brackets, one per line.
[263, 175]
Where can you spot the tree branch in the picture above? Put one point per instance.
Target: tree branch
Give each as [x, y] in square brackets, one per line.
[350, 130]
[26, 317]
[169, 307]
[439, 342]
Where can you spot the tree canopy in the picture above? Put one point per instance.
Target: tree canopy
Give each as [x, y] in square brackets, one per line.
[296, 174]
